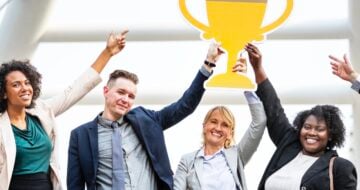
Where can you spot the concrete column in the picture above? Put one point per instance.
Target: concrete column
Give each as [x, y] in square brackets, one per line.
[354, 15]
[22, 27]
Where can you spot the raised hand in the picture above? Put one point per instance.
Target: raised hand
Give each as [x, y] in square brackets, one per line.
[116, 42]
[255, 59]
[255, 56]
[214, 52]
[342, 68]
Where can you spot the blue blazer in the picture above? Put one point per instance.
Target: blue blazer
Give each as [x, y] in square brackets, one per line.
[148, 126]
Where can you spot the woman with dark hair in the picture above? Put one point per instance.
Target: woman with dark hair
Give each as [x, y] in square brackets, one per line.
[27, 125]
[303, 155]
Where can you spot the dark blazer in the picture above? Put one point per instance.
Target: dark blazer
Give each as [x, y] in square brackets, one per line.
[287, 142]
[148, 126]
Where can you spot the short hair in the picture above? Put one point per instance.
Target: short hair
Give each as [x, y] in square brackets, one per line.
[122, 74]
[331, 115]
[229, 119]
[28, 70]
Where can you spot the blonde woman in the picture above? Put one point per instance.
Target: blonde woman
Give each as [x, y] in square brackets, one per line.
[219, 164]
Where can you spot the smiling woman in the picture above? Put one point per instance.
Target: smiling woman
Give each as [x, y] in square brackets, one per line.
[27, 132]
[219, 164]
[303, 152]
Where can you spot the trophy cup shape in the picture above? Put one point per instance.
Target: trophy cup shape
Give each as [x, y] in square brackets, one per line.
[234, 23]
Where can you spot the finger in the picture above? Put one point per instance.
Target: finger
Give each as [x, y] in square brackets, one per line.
[335, 58]
[346, 60]
[220, 50]
[124, 32]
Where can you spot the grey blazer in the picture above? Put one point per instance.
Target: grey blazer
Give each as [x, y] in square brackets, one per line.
[189, 172]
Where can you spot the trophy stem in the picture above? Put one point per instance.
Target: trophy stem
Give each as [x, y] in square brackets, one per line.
[232, 57]
[231, 79]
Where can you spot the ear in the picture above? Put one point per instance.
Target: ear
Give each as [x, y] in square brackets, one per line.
[105, 90]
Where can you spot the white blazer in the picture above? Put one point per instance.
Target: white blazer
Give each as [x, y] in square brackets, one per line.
[189, 172]
[46, 111]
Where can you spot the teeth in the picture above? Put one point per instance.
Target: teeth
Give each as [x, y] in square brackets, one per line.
[25, 97]
[311, 141]
[216, 134]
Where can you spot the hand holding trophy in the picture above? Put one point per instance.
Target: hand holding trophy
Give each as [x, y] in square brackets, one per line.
[234, 23]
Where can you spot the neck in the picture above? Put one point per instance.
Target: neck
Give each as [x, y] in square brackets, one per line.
[210, 150]
[17, 117]
[107, 115]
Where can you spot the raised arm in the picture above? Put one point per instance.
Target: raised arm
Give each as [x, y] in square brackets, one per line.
[277, 122]
[251, 139]
[175, 112]
[89, 79]
[115, 43]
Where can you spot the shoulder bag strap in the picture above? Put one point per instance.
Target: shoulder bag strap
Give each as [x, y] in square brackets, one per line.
[331, 165]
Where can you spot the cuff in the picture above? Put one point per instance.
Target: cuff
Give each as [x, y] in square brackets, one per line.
[205, 72]
[251, 97]
[356, 85]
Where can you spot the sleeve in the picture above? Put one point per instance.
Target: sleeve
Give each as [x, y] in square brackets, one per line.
[251, 139]
[345, 176]
[177, 111]
[356, 85]
[74, 179]
[277, 122]
[73, 93]
[180, 175]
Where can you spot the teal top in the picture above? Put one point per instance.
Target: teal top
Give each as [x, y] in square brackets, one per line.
[33, 148]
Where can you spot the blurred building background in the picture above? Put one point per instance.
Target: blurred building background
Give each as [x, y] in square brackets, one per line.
[63, 37]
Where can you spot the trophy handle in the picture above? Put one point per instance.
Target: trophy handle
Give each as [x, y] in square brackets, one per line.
[191, 19]
[281, 19]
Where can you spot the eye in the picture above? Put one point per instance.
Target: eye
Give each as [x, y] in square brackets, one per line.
[306, 127]
[27, 83]
[15, 85]
[213, 121]
[225, 125]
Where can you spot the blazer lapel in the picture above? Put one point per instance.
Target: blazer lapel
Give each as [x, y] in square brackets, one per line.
[198, 164]
[9, 143]
[93, 141]
[232, 161]
[319, 165]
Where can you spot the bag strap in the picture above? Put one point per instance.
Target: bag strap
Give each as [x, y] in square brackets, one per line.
[331, 165]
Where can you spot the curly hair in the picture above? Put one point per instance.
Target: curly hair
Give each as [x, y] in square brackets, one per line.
[28, 70]
[331, 115]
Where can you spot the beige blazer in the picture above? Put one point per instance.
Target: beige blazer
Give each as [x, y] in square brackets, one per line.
[46, 111]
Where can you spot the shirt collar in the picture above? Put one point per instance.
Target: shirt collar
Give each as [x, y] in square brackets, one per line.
[106, 122]
[201, 154]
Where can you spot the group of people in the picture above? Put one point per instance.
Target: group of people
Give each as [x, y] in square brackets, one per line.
[124, 147]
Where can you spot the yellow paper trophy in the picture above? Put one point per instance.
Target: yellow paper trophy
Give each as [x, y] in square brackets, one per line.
[234, 23]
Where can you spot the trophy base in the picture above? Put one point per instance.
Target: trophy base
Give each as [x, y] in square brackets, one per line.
[230, 80]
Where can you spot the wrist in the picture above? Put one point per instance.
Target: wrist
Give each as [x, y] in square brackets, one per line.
[108, 51]
[209, 63]
[353, 76]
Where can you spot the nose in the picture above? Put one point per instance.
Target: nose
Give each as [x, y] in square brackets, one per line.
[124, 98]
[312, 131]
[218, 127]
[25, 86]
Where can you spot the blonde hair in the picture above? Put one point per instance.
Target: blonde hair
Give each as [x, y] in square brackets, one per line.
[229, 119]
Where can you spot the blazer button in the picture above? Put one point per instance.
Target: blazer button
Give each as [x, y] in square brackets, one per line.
[303, 188]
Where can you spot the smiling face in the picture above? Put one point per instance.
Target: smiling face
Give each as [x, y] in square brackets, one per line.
[314, 136]
[218, 129]
[18, 90]
[119, 98]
